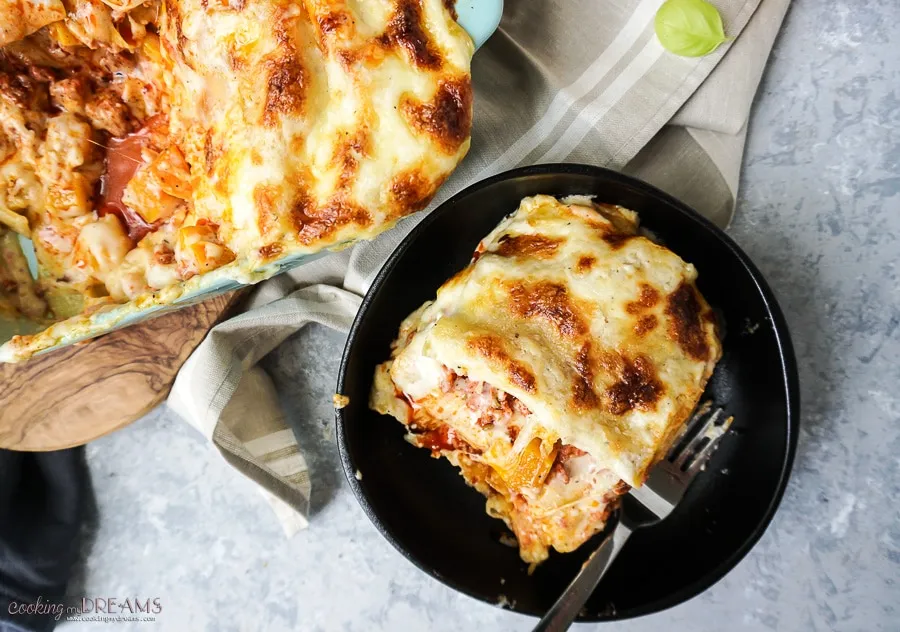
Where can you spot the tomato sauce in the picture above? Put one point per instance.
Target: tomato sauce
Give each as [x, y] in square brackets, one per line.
[441, 438]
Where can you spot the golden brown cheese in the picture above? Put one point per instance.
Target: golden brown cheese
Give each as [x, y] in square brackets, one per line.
[316, 122]
[596, 334]
[145, 143]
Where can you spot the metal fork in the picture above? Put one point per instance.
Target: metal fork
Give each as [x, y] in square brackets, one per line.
[643, 506]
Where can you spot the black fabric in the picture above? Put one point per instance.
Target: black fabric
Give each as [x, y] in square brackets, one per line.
[42, 502]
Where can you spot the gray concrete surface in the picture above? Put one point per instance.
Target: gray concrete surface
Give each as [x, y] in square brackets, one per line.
[819, 212]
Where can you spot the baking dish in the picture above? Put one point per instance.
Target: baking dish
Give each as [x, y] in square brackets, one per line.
[479, 19]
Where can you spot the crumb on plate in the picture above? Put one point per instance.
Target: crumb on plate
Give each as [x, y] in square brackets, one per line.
[340, 401]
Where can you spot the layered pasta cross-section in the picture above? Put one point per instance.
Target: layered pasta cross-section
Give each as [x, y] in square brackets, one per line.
[146, 142]
[556, 369]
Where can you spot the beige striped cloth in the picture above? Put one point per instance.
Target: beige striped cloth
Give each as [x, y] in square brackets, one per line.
[560, 81]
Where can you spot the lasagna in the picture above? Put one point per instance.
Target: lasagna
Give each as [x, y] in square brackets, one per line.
[143, 143]
[556, 369]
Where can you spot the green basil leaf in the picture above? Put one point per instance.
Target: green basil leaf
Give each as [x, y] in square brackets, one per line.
[690, 28]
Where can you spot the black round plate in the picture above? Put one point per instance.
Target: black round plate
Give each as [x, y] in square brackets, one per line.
[425, 509]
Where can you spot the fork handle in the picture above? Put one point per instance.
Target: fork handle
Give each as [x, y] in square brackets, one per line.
[570, 603]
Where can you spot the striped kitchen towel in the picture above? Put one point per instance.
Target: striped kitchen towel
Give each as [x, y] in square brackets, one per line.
[560, 81]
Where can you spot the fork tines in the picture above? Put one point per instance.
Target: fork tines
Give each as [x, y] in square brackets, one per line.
[698, 438]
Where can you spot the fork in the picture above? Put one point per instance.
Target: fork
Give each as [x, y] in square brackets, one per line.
[643, 506]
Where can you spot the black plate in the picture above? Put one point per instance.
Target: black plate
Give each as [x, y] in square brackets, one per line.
[429, 514]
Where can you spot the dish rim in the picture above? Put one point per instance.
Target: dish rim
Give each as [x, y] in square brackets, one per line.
[787, 355]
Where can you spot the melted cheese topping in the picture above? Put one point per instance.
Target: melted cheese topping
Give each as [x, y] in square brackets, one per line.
[597, 332]
[219, 133]
[319, 123]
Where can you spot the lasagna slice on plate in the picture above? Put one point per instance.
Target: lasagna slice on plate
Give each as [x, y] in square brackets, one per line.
[556, 368]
